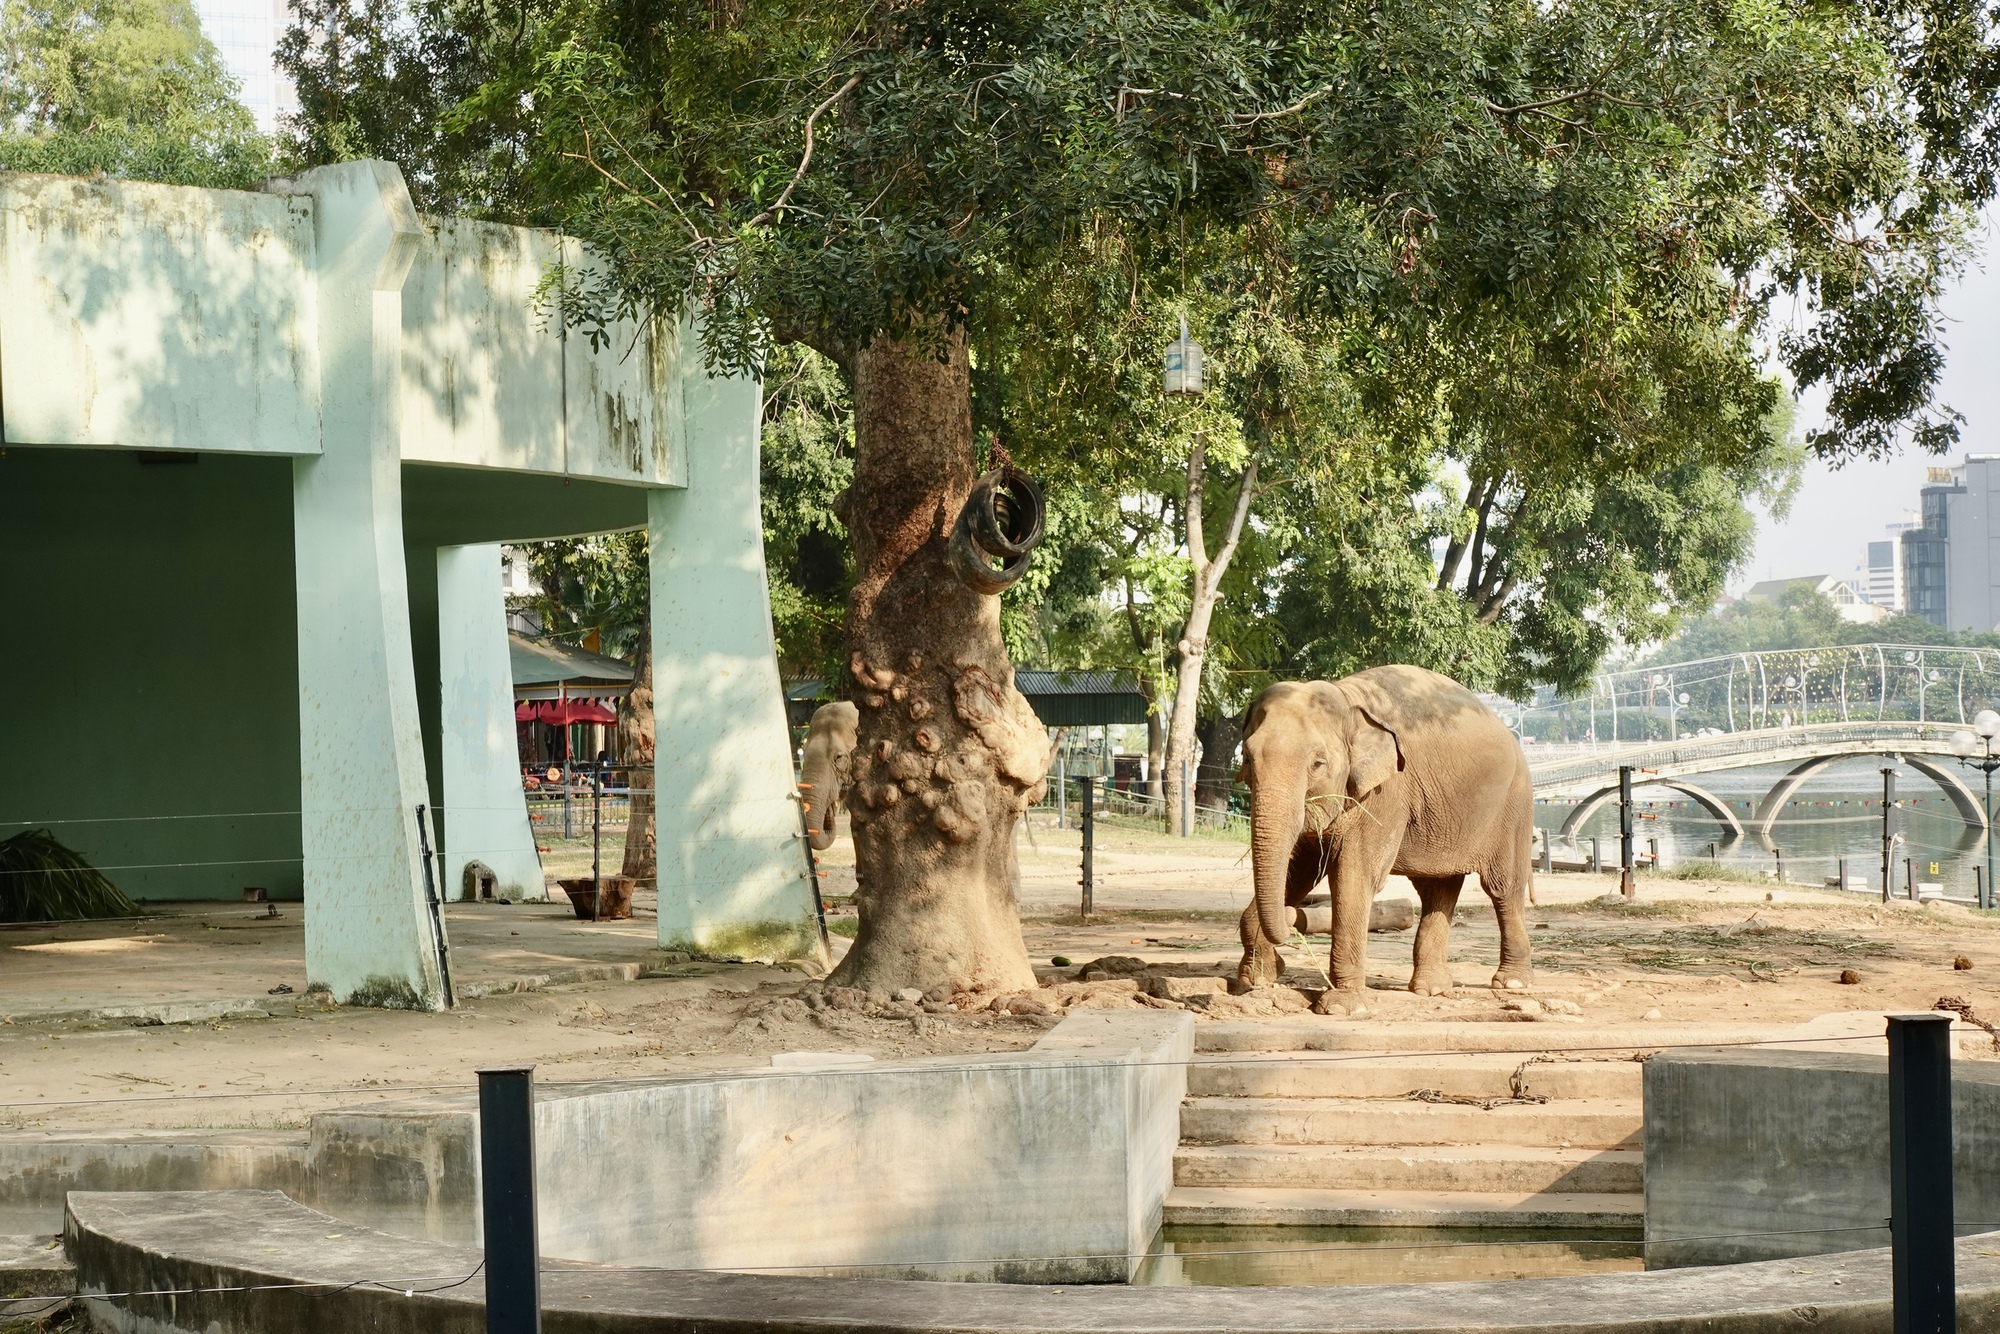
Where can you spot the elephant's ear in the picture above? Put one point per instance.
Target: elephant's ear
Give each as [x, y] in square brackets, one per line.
[1374, 751]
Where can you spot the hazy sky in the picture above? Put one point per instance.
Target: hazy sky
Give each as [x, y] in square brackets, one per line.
[1836, 510]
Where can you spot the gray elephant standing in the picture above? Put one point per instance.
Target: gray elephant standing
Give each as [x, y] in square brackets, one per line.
[1394, 770]
[824, 771]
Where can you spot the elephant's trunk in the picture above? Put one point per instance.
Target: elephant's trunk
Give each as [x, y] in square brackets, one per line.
[822, 791]
[1277, 817]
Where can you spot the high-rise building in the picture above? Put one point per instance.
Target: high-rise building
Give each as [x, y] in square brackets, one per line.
[246, 32]
[1951, 563]
[1879, 577]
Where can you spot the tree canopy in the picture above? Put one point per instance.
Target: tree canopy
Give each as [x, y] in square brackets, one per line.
[126, 87]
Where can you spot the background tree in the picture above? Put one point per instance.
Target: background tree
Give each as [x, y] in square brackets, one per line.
[131, 88]
[865, 179]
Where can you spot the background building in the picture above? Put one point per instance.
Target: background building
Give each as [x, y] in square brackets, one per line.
[1853, 606]
[1951, 572]
[246, 32]
[1879, 577]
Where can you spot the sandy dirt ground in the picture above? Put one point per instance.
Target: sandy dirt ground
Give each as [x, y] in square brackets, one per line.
[1689, 951]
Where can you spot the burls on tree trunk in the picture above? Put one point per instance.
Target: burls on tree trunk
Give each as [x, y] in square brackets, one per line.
[948, 752]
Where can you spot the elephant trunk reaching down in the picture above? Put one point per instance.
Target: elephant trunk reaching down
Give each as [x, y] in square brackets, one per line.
[820, 788]
[1277, 821]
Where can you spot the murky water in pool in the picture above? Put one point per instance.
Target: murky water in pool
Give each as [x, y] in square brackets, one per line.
[1329, 1256]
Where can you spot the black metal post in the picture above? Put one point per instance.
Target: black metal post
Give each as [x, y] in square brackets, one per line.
[436, 909]
[1089, 837]
[507, 1200]
[596, 837]
[1910, 879]
[1626, 886]
[1921, 1234]
[1888, 827]
[1986, 885]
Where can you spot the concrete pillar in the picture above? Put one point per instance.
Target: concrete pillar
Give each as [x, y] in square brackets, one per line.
[369, 937]
[734, 878]
[485, 810]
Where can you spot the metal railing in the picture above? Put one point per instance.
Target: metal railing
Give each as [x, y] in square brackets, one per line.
[1771, 688]
[1932, 737]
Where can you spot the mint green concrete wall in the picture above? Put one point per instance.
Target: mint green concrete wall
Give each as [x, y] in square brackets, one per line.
[149, 667]
[733, 874]
[485, 809]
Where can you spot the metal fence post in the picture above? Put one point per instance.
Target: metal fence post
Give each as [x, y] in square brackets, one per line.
[1626, 885]
[1921, 1231]
[1842, 872]
[1888, 831]
[507, 1200]
[1596, 856]
[1089, 785]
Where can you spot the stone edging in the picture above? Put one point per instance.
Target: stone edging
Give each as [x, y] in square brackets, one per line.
[130, 1242]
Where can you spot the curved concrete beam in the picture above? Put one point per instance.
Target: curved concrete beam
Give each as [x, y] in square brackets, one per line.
[1970, 808]
[1732, 828]
[1962, 797]
[1781, 792]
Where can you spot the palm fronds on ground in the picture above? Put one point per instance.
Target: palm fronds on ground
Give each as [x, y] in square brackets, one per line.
[43, 881]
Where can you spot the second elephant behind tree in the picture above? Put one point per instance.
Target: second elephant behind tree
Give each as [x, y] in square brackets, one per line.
[824, 767]
[1393, 770]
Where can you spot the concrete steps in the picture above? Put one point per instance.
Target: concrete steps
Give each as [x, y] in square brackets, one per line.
[1566, 1123]
[1505, 1032]
[1264, 1206]
[1472, 1075]
[1328, 1122]
[1455, 1167]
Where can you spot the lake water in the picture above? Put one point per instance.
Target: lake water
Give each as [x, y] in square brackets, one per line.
[1838, 813]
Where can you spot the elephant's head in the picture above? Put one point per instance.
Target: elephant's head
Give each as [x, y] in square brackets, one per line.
[823, 773]
[1310, 752]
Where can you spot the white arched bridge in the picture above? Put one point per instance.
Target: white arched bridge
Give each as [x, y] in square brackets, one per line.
[1593, 779]
[1805, 707]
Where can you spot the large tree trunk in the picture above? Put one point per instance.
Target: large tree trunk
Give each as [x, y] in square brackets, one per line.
[949, 753]
[1193, 646]
[1216, 774]
[635, 751]
[1156, 743]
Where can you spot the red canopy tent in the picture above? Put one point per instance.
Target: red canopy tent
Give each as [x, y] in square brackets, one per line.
[556, 712]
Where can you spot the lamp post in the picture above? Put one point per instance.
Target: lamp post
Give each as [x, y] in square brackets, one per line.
[1674, 703]
[1975, 751]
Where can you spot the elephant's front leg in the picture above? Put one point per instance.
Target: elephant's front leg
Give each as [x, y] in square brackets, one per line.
[1261, 966]
[1439, 897]
[1357, 877]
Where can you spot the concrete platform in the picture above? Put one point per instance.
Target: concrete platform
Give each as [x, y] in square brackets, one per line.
[142, 1243]
[1435, 1167]
[1266, 1206]
[35, 1266]
[195, 962]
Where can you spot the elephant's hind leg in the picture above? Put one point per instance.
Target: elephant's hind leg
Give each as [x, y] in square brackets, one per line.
[1507, 884]
[1439, 897]
[1261, 966]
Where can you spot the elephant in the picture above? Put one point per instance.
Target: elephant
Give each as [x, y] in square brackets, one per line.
[824, 772]
[1393, 770]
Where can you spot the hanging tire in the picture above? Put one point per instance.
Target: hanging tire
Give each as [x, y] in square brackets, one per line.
[1001, 521]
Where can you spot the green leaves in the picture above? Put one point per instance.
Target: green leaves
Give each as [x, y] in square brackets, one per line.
[130, 88]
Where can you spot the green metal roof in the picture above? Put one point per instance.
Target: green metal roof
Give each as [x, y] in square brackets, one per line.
[544, 671]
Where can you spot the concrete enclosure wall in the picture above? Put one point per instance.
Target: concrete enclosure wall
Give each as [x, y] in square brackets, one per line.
[1793, 1142]
[155, 726]
[955, 1168]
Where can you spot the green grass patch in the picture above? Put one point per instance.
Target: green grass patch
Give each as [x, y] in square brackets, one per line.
[844, 926]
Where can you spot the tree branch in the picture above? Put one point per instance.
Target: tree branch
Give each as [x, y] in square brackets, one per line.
[805, 160]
